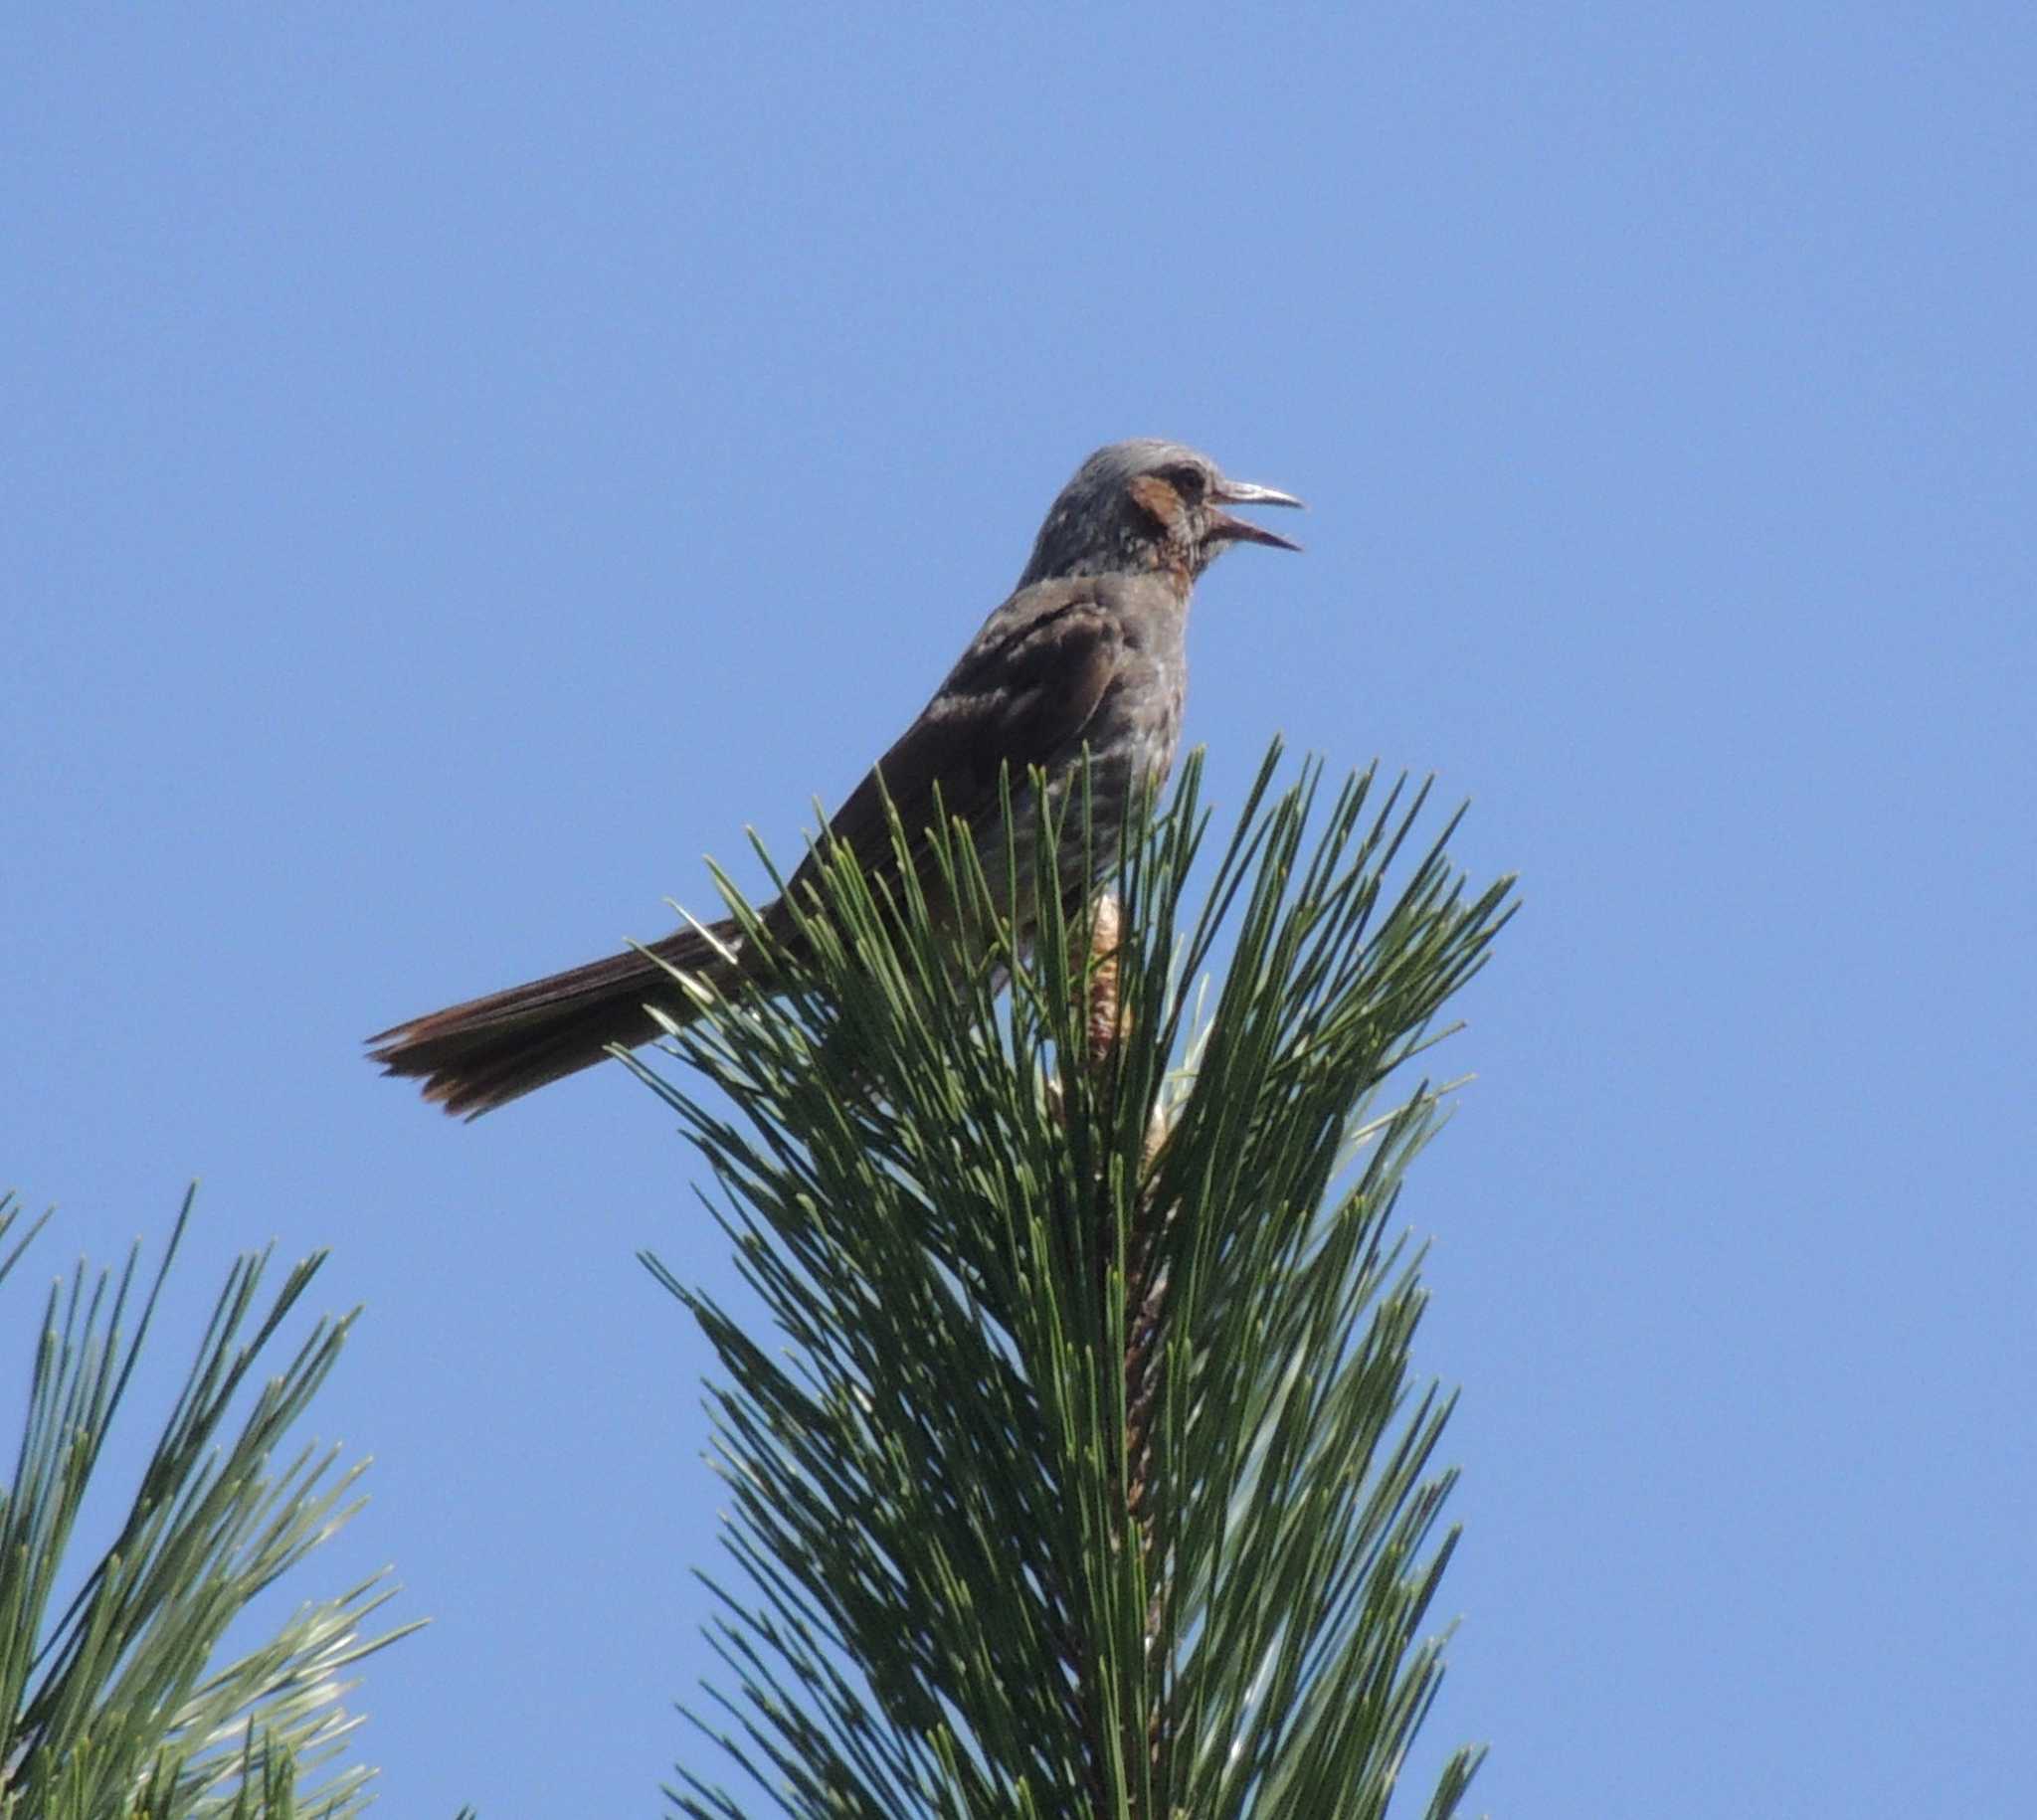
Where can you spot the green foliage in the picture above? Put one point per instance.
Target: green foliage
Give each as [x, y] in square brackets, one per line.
[115, 1705]
[1089, 1478]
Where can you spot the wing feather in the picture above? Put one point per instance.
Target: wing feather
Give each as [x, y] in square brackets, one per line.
[1023, 692]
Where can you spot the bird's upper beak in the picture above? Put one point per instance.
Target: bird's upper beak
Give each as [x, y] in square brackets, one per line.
[1245, 492]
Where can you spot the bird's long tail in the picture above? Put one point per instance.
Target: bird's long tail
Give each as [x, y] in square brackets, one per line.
[476, 1056]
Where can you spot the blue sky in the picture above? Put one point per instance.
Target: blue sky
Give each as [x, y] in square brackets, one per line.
[462, 467]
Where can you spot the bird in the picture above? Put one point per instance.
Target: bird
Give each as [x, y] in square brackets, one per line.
[1085, 656]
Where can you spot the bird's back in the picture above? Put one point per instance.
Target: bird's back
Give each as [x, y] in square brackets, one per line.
[1093, 663]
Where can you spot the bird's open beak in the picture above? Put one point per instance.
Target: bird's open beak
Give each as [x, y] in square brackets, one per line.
[1243, 492]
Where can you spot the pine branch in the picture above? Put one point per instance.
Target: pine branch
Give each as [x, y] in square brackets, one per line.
[116, 1703]
[1089, 1478]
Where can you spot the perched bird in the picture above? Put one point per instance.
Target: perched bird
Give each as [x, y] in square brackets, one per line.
[1086, 655]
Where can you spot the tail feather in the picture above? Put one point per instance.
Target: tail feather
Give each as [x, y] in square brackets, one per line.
[476, 1056]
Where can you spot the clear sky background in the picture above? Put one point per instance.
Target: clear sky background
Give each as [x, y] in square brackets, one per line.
[463, 465]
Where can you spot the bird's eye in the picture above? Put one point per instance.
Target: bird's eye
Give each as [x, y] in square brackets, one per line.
[1187, 481]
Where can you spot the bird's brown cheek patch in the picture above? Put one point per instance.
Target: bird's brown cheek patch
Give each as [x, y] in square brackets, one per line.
[1158, 501]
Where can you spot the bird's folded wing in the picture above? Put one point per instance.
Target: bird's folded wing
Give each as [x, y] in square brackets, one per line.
[1022, 695]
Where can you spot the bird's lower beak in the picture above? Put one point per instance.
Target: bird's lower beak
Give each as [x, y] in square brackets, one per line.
[1245, 492]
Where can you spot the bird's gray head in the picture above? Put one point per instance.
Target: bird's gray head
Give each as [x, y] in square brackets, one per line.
[1146, 504]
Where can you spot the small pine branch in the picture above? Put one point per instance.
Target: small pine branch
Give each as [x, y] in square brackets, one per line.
[116, 1705]
[1089, 1477]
